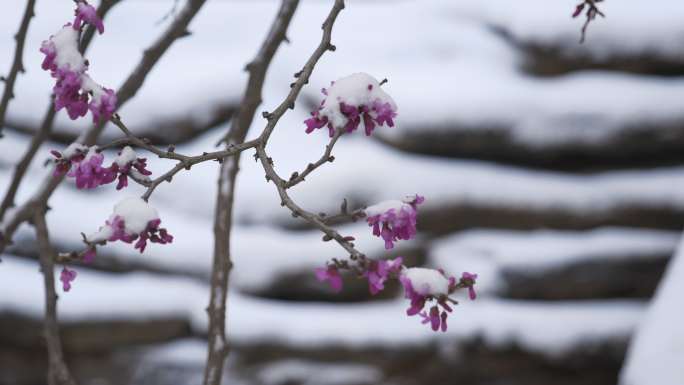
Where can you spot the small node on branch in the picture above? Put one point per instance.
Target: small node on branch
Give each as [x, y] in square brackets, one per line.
[327, 238]
[282, 203]
[331, 47]
[291, 105]
[171, 148]
[343, 206]
[3, 79]
[298, 74]
[349, 238]
[294, 176]
[384, 81]
[256, 156]
[292, 84]
[286, 39]
[310, 166]
[322, 214]
[268, 178]
[331, 159]
[295, 214]
[267, 115]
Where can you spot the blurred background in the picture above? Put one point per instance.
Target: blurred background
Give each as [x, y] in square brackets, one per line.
[551, 169]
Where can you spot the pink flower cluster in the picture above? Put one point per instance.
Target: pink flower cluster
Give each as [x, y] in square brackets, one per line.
[67, 276]
[349, 101]
[85, 165]
[152, 232]
[394, 220]
[74, 90]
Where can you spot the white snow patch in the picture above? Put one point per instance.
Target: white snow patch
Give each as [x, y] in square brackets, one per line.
[66, 45]
[656, 353]
[354, 90]
[136, 214]
[427, 281]
[126, 156]
[310, 373]
[73, 149]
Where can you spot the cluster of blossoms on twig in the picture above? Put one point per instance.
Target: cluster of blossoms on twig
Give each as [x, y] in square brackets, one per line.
[74, 89]
[133, 219]
[84, 164]
[349, 100]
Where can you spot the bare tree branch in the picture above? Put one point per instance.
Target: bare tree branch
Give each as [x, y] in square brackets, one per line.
[17, 63]
[218, 346]
[58, 373]
[130, 87]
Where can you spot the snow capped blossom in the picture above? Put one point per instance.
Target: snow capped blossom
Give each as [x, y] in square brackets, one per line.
[132, 219]
[86, 166]
[75, 153]
[350, 100]
[378, 272]
[67, 276]
[86, 12]
[89, 172]
[74, 90]
[128, 163]
[330, 274]
[422, 285]
[394, 220]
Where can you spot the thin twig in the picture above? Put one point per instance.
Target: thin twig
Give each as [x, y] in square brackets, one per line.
[218, 346]
[296, 177]
[130, 87]
[58, 373]
[17, 63]
[267, 162]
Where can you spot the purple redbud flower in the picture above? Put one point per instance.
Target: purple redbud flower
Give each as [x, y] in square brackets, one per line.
[468, 280]
[87, 13]
[330, 274]
[422, 285]
[67, 276]
[89, 172]
[103, 107]
[349, 101]
[378, 272]
[394, 220]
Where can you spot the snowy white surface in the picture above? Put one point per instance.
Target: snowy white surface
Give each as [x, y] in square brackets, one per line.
[126, 156]
[427, 281]
[552, 329]
[489, 252]
[656, 352]
[65, 44]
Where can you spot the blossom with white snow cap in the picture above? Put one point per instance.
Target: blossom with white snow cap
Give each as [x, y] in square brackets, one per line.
[394, 219]
[132, 219]
[74, 90]
[348, 101]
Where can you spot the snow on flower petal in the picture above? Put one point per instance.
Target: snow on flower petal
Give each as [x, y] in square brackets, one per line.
[132, 219]
[394, 220]
[351, 100]
[74, 90]
[422, 285]
[67, 276]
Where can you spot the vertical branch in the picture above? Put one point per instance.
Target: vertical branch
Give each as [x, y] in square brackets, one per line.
[46, 126]
[17, 64]
[218, 347]
[58, 373]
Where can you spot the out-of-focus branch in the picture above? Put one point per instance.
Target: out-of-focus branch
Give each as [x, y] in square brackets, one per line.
[130, 87]
[58, 373]
[17, 63]
[218, 346]
[41, 135]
